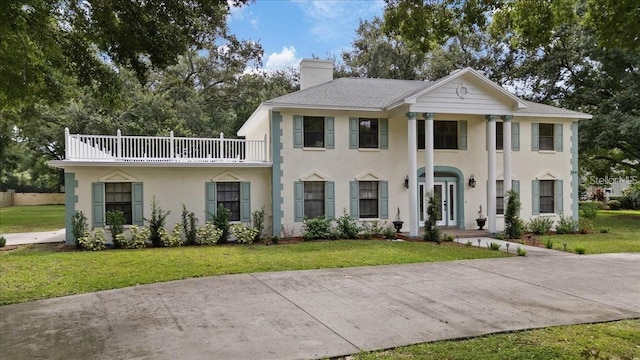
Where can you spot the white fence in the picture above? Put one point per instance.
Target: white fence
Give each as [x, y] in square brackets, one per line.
[163, 149]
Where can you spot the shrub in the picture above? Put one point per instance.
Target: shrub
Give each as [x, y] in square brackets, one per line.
[613, 204]
[346, 227]
[138, 240]
[631, 197]
[605, 230]
[499, 236]
[244, 234]
[431, 232]
[208, 234]
[79, 226]
[374, 227]
[493, 246]
[156, 222]
[514, 226]
[389, 233]
[586, 226]
[521, 252]
[589, 210]
[365, 228]
[580, 249]
[190, 226]
[3, 241]
[316, 228]
[93, 241]
[567, 225]
[469, 243]
[275, 239]
[221, 221]
[449, 238]
[548, 244]
[172, 239]
[540, 225]
[115, 220]
[257, 221]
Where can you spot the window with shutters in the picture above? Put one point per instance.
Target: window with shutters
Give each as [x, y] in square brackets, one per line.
[313, 131]
[314, 199]
[368, 197]
[228, 195]
[445, 134]
[118, 197]
[547, 193]
[545, 137]
[368, 133]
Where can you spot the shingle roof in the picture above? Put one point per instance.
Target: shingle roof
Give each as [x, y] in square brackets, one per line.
[353, 93]
[541, 109]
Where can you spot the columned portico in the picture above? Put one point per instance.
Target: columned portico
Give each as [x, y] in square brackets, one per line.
[413, 173]
[506, 128]
[491, 183]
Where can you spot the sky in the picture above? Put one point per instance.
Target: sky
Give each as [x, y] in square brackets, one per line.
[290, 30]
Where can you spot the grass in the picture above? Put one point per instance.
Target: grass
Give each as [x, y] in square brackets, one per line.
[39, 272]
[613, 340]
[16, 219]
[623, 235]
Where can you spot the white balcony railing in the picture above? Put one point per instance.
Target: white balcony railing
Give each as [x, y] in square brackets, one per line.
[164, 149]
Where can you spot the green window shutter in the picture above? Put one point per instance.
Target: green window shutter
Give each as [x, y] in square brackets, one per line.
[462, 134]
[535, 197]
[558, 133]
[384, 133]
[354, 197]
[245, 202]
[330, 199]
[298, 195]
[137, 204]
[210, 200]
[384, 199]
[353, 133]
[559, 199]
[535, 137]
[298, 130]
[515, 136]
[515, 186]
[329, 132]
[97, 204]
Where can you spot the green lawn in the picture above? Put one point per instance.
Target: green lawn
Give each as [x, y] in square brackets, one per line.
[613, 340]
[623, 235]
[16, 219]
[39, 272]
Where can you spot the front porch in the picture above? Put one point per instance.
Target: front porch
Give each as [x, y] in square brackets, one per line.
[453, 231]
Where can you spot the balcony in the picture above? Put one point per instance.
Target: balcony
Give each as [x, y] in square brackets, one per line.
[164, 149]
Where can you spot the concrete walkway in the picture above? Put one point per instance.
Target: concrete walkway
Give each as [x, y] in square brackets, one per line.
[324, 313]
[35, 237]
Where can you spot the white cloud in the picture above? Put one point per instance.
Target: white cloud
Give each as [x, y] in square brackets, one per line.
[282, 60]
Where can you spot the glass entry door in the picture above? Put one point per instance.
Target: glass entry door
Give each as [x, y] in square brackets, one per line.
[444, 192]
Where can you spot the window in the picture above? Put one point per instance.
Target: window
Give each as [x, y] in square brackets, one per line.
[118, 197]
[368, 133]
[445, 134]
[228, 195]
[314, 199]
[421, 133]
[499, 136]
[313, 131]
[368, 196]
[499, 197]
[547, 191]
[546, 137]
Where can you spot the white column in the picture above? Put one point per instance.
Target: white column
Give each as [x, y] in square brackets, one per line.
[491, 182]
[412, 149]
[506, 142]
[428, 154]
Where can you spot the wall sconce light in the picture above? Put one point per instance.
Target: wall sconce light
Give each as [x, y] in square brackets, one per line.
[472, 181]
[406, 182]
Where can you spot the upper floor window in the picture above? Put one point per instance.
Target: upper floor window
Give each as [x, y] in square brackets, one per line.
[446, 134]
[118, 197]
[313, 131]
[368, 133]
[546, 136]
[499, 135]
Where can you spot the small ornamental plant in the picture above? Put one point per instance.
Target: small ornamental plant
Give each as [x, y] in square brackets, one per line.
[244, 235]
[93, 241]
[208, 234]
[139, 237]
[172, 239]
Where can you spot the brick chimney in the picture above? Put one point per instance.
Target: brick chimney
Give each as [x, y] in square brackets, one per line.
[315, 72]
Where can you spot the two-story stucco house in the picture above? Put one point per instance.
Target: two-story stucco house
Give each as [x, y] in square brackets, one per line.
[364, 146]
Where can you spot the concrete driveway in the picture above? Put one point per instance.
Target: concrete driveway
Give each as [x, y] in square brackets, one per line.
[324, 313]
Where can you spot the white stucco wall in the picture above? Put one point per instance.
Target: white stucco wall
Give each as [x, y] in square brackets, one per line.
[173, 186]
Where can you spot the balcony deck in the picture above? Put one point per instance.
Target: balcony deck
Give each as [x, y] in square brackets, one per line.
[164, 150]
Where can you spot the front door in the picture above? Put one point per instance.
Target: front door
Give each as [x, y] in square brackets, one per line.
[444, 192]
